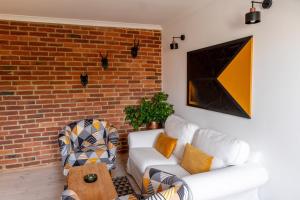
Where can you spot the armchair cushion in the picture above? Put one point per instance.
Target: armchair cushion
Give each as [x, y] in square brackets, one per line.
[89, 155]
[87, 132]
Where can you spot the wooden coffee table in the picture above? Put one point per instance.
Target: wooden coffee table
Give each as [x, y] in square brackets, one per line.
[102, 189]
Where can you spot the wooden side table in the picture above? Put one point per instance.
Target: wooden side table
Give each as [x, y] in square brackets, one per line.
[102, 189]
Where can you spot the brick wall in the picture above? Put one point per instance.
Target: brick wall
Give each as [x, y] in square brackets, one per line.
[40, 89]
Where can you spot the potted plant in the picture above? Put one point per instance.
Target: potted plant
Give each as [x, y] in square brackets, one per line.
[152, 113]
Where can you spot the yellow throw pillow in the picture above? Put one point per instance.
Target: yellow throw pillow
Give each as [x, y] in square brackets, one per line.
[165, 145]
[195, 161]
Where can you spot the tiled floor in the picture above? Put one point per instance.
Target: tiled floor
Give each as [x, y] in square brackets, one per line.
[44, 183]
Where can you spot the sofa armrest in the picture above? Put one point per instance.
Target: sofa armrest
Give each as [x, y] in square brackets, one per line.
[143, 138]
[227, 181]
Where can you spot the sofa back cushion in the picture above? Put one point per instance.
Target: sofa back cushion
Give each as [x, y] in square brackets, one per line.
[87, 132]
[177, 127]
[229, 150]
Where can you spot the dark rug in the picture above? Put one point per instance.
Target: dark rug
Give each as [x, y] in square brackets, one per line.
[123, 186]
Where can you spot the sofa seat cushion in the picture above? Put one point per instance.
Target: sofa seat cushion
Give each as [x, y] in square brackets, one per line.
[145, 157]
[177, 127]
[172, 169]
[225, 147]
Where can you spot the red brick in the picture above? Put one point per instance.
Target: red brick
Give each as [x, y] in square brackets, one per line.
[40, 67]
[31, 163]
[13, 166]
[9, 137]
[5, 152]
[26, 159]
[13, 146]
[22, 150]
[29, 154]
[11, 127]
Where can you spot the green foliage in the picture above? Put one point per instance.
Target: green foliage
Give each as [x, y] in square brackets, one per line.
[133, 115]
[156, 109]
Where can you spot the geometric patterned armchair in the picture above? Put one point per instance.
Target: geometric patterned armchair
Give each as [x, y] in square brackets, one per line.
[157, 185]
[88, 141]
[162, 185]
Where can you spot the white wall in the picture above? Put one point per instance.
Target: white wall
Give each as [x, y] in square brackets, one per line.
[275, 126]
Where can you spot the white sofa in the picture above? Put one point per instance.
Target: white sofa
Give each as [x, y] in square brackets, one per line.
[238, 178]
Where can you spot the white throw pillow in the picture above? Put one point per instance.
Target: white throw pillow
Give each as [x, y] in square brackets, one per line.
[226, 149]
[177, 127]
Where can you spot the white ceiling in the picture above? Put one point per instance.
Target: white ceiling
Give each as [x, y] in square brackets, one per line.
[128, 11]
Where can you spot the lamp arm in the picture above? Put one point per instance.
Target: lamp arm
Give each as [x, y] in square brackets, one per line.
[266, 3]
[257, 2]
[182, 37]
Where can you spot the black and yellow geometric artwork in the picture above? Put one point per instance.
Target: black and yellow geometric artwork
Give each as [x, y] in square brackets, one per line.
[219, 78]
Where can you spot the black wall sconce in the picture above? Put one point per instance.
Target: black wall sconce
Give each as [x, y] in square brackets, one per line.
[104, 61]
[174, 45]
[135, 48]
[253, 16]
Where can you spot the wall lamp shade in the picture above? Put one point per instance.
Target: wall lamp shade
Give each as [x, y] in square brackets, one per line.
[254, 17]
[174, 44]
